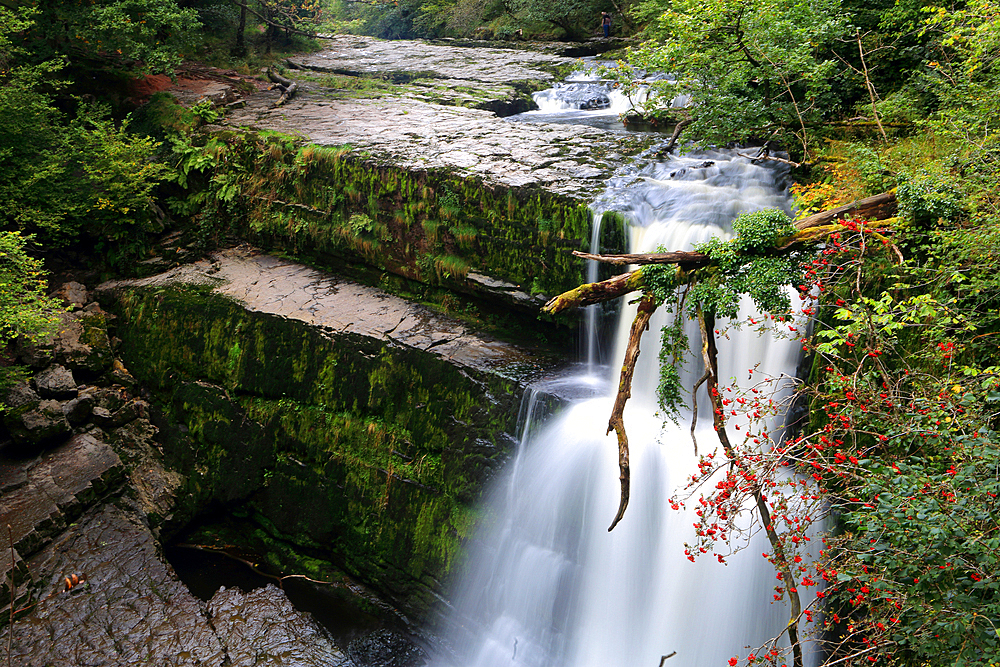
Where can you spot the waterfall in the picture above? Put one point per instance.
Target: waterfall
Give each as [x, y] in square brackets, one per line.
[546, 585]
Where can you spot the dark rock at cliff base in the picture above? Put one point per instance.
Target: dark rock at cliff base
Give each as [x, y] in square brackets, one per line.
[21, 397]
[55, 382]
[385, 648]
[129, 610]
[81, 344]
[45, 423]
[78, 409]
[42, 495]
[262, 627]
[127, 413]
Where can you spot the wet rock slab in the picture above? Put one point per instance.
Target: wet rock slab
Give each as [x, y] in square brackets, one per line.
[262, 627]
[413, 132]
[130, 609]
[44, 494]
[269, 284]
[359, 55]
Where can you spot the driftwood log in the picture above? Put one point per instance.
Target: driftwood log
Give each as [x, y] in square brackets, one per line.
[288, 87]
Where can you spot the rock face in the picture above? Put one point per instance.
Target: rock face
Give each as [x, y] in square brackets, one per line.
[423, 128]
[273, 383]
[129, 610]
[84, 508]
[81, 344]
[55, 382]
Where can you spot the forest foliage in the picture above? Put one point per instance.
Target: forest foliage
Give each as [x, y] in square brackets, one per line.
[898, 453]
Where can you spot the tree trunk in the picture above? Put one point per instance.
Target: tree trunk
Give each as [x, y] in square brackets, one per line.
[240, 50]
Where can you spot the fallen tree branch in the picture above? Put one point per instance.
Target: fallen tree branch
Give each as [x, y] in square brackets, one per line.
[288, 87]
[876, 207]
[687, 259]
[584, 295]
[647, 306]
[772, 158]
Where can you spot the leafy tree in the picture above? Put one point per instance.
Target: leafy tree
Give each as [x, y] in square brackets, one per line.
[24, 308]
[754, 69]
[576, 17]
[140, 35]
[65, 178]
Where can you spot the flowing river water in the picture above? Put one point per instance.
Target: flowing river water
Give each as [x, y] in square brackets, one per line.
[546, 584]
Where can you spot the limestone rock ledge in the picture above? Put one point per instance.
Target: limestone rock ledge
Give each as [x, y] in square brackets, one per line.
[347, 421]
[427, 125]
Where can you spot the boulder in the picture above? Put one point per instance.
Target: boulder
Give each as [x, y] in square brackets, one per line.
[385, 648]
[262, 627]
[40, 425]
[127, 413]
[55, 382]
[78, 410]
[33, 354]
[73, 294]
[21, 398]
[129, 610]
[82, 342]
[120, 375]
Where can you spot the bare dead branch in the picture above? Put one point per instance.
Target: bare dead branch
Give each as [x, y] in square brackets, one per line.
[647, 306]
[871, 87]
[694, 409]
[288, 87]
[277, 78]
[772, 158]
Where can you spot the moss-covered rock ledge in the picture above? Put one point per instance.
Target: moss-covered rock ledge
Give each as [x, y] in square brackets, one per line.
[354, 424]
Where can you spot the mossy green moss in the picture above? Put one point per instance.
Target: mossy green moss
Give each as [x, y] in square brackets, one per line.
[303, 198]
[368, 453]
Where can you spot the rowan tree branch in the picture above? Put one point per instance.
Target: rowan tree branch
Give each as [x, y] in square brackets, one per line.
[710, 357]
[275, 24]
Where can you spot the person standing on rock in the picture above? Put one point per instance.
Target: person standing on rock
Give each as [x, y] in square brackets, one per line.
[606, 24]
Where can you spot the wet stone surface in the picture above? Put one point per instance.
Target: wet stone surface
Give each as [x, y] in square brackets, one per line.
[43, 495]
[422, 128]
[269, 284]
[262, 627]
[129, 610]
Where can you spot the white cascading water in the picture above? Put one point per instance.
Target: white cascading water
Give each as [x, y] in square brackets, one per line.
[546, 584]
